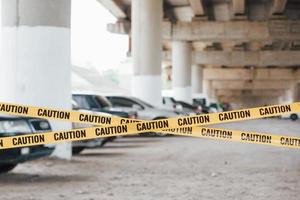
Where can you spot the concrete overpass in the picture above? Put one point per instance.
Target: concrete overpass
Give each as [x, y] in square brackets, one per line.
[232, 50]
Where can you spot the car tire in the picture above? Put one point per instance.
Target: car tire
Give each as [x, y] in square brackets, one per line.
[77, 150]
[294, 117]
[7, 167]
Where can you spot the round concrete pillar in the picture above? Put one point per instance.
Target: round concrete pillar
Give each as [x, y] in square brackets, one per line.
[181, 70]
[147, 50]
[209, 92]
[36, 66]
[197, 79]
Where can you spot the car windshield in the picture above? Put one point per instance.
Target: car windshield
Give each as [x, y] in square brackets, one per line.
[91, 102]
[186, 105]
[143, 103]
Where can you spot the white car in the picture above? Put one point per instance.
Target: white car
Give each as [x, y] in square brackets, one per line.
[293, 116]
[144, 110]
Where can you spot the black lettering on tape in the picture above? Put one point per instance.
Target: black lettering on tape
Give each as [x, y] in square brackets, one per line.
[94, 119]
[286, 141]
[28, 140]
[182, 130]
[111, 130]
[148, 126]
[256, 138]
[234, 115]
[14, 109]
[215, 133]
[1, 143]
[53, 114]
[195, 120]
[127, 121]
[73, 134]
[274, 110]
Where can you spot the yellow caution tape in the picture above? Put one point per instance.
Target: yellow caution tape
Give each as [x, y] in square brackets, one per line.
[154, 125]
[116, 126]
[120, 130]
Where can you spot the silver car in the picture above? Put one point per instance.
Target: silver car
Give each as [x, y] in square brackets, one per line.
[144, 110]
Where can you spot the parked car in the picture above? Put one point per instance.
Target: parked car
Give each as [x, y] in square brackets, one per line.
[98, 103]
[293, 116]
[79, 146]
[170, 102]
[14, 126]
[201, 102]
[215, 107]
[145, 111]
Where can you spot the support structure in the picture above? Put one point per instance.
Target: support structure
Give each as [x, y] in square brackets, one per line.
[197, 79]
[209, 91]
[181, 70]
[36, 66]
[146, 49]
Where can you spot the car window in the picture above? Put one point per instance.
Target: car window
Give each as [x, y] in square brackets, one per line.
[186, 105]
[169, 101]
[103, 101]
[121, 102]
[142, 103]
[86, 102]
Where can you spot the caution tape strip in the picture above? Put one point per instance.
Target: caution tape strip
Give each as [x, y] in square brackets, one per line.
[153, 125]
[116, 126]
[101, 132]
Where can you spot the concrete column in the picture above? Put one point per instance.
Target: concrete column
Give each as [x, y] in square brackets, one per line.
[181, 70]
[36, 66]
[147, 50]
[290, 94]
[197, 79]
[209, 92]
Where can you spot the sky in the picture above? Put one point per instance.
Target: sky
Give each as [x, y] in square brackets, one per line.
[92, 44]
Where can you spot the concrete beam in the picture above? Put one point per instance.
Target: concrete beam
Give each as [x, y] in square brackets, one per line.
[250, 74]
[251, 85]
[269, 93]
[183, 13]
[243, 102]
[197, 7]
[238, 31]
[238, 7]
[244, 58]
[278, 7]
[114, 8]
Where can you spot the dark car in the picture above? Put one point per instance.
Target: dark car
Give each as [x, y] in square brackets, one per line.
[100, 103]
[14, 126]
[95, 104]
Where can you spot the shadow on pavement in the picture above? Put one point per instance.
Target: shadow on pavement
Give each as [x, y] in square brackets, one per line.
[121, 146]
[102, 154]
[22, 178]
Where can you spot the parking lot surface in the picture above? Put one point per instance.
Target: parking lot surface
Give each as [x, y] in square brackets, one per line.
[166, 168]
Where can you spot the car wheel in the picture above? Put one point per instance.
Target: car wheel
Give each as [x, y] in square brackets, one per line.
[106, 140]
[294, 117]
[77, 150]
[6, 168]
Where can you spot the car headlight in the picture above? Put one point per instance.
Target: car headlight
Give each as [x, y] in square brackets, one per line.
[14, 126]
